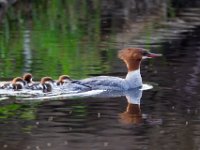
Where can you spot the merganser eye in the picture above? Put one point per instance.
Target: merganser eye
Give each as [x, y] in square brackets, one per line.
[145, 53]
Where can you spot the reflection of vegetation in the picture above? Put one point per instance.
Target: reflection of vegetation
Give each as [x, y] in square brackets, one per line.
[80, 110]
[21, 111]
[28, 128]
[171, 10]
[8, 111]
[58, 35]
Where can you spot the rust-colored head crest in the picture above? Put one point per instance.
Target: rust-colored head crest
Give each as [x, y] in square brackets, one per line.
[131, 54]
[17, 79]
[18, 83]
[27, 77]
[63, 78]
[46, 79]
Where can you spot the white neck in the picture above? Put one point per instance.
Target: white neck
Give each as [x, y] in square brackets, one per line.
[134, 78]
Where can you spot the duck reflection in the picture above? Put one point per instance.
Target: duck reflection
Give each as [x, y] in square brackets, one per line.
[133, 113]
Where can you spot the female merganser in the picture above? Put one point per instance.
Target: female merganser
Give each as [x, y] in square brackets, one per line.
[16, 84]
[132, 58]
[46, 85]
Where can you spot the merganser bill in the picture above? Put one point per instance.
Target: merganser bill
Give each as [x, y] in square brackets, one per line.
[132, 57]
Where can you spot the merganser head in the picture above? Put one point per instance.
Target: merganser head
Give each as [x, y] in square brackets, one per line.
[63, 79]
[27, 77]
[47, 84]
[133, 57]
[18, 83]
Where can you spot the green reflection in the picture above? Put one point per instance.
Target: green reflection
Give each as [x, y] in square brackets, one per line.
[171, 10]
[28, 129]
[9, 110]
[80, 110]
[52, 38]
[21, 111]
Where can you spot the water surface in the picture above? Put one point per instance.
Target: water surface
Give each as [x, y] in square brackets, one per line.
[64, 42]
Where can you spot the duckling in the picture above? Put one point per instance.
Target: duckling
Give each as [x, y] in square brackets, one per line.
[63, 79]
[27, 77]
[16, 84]
[45, 84]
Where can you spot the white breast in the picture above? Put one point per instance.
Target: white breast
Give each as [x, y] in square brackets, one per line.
[134, 79]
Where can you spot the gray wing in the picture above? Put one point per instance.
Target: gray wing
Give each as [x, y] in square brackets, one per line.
[103, 82]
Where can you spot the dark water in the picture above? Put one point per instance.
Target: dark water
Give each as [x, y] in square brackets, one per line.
[47, 44]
